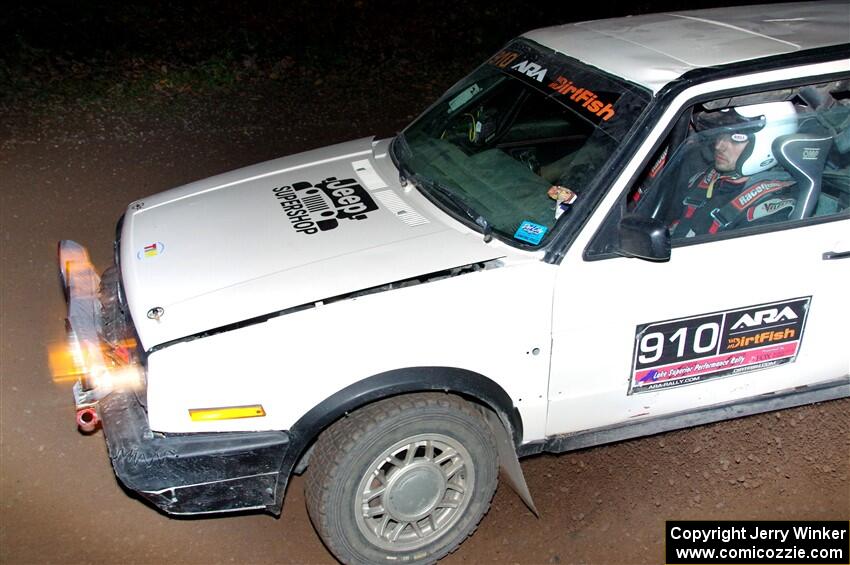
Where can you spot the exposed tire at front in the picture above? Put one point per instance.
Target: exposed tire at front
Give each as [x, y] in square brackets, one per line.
[405, 479]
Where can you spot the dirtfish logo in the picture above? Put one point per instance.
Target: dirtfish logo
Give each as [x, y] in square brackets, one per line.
[587, 98]
[314, 208]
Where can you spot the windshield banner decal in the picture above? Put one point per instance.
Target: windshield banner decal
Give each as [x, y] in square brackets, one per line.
[585, 97]
[568, 84]
[693, 350]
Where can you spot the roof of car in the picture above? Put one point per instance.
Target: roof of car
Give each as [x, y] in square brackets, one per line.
[655, 49]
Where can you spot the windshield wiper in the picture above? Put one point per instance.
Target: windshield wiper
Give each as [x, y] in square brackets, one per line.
[406, 175]
[459, 204]
[404, 170]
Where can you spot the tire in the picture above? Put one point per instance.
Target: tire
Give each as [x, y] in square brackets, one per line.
[403, 480]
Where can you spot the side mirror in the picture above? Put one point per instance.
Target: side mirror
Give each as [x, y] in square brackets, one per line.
[644, 238]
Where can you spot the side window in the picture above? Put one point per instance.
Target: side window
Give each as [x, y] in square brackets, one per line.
[748, 162]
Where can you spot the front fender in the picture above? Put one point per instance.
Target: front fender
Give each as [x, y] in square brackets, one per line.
[462, 382]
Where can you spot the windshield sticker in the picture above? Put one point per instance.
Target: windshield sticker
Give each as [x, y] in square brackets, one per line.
[693, 350]
[595, 97]
[588, 100]
[530, 232]
[463, 97]
[503, 58]
[150, 251]
[314, 208]
[530, 69]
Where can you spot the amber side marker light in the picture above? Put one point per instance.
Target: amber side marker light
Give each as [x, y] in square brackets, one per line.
[66, 365]
[226, 413]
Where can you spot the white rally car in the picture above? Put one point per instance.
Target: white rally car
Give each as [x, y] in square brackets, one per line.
[609, 229]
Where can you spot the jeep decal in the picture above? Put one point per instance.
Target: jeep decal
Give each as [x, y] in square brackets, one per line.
[313, 208]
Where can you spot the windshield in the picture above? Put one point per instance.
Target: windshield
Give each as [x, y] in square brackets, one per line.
[514, 146]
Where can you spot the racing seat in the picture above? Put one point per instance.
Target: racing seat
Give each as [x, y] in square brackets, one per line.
[803, 156]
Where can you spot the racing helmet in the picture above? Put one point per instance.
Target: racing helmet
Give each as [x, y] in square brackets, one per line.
[762, 124]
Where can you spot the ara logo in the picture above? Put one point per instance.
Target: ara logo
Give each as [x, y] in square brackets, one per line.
[311, 208]
[533, 70]
[766, 316]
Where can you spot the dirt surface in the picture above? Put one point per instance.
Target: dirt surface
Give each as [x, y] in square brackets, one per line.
[70, 175]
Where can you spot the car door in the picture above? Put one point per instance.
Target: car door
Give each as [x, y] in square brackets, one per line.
[758, 308]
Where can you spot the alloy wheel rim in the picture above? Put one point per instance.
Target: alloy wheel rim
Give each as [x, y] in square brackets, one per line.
[413, 492]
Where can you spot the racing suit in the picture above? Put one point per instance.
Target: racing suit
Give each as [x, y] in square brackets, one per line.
[714, 202]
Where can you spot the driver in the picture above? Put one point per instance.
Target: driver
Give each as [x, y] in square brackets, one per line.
[742, 186]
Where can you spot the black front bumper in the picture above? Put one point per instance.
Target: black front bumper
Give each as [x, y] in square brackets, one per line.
[192, 473]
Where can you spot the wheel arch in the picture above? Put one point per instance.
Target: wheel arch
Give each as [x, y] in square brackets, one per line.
[463, 382]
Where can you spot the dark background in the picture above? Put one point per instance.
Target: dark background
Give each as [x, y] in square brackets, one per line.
[110, 52]
[323, 32]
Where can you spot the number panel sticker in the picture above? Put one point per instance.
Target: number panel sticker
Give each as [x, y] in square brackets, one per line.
[692, 350]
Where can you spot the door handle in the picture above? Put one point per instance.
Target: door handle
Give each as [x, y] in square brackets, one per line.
[836, 255]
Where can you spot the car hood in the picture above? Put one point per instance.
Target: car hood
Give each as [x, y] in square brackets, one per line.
[277, 235]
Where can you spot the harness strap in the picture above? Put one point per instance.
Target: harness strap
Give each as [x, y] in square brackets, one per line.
[702, 188]
[696, 197]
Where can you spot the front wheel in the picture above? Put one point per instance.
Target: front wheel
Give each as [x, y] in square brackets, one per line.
[403, 480]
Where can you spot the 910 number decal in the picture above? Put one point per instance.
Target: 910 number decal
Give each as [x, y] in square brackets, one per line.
[652, 344]
[694, 349]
